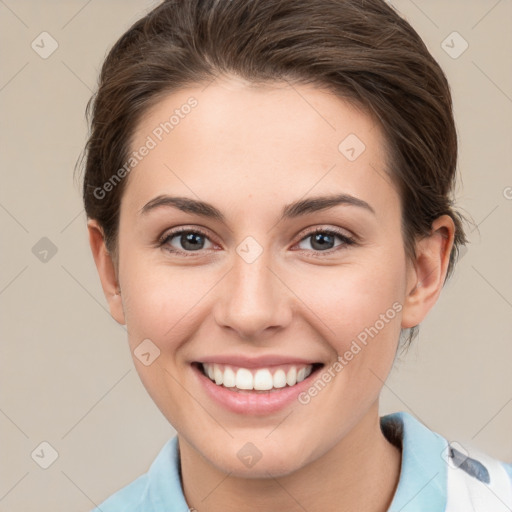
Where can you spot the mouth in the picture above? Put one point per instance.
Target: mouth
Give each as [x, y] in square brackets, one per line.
[254, 381]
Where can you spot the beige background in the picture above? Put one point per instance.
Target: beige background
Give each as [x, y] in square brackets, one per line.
[67, 376]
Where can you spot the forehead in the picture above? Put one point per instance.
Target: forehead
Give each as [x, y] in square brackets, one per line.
[278, 140]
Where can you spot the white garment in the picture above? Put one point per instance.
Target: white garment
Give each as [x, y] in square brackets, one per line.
[476, 483]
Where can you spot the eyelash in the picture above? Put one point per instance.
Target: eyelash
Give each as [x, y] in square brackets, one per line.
[346, 240]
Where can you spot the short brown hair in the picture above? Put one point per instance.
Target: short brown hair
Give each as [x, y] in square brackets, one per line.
[362, 50]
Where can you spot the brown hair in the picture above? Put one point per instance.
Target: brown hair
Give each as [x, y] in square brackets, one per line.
[361, 50]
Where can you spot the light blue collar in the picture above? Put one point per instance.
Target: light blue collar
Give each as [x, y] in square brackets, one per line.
[164, 491]
[422, 484]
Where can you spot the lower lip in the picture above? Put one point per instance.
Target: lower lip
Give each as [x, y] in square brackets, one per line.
[253, 403]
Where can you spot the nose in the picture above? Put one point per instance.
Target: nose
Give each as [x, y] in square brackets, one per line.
[252, 300]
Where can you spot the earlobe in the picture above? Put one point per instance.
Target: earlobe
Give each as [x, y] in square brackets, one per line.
[427, 273]
[106, 270]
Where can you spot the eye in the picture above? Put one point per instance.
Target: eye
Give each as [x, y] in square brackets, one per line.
[186, 240]
[321, 240]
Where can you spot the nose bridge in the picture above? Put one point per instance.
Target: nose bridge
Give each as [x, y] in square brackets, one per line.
[252, 299]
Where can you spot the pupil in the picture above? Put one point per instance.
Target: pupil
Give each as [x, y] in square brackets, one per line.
[322, 241]
[192, 241]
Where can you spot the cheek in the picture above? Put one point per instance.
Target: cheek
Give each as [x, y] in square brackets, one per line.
[358, 313]
[161, 304]
[160, 300]
[349, 299]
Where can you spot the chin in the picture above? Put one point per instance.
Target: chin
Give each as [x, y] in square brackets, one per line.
[246, 460]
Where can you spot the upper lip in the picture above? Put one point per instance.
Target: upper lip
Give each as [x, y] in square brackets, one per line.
[256, 361]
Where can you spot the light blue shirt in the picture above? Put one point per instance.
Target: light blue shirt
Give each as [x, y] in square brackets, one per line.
[422, 486]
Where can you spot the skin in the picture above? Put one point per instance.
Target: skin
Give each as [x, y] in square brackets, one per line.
[250, 150]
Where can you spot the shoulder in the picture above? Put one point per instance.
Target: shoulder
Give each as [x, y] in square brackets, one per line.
[443, 476]
[508, 469]
[478, 481]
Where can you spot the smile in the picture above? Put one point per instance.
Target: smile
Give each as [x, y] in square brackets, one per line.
[254, 386]
[256, 379]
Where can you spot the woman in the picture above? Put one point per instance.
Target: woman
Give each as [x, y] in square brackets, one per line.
[268, 187]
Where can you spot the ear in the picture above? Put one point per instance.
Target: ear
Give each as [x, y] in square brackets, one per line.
[106, 270]
[427, 273]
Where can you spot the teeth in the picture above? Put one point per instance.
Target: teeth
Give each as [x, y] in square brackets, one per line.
[261, 379]
[218, 375]
[279, 379]
[229, 379]
[291, 376]
[244, 379]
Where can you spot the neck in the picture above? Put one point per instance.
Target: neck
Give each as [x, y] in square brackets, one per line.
[360, 472]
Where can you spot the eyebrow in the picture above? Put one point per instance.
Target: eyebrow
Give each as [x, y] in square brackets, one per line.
[293, 210]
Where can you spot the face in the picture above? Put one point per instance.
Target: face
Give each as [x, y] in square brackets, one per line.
[260, 242]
